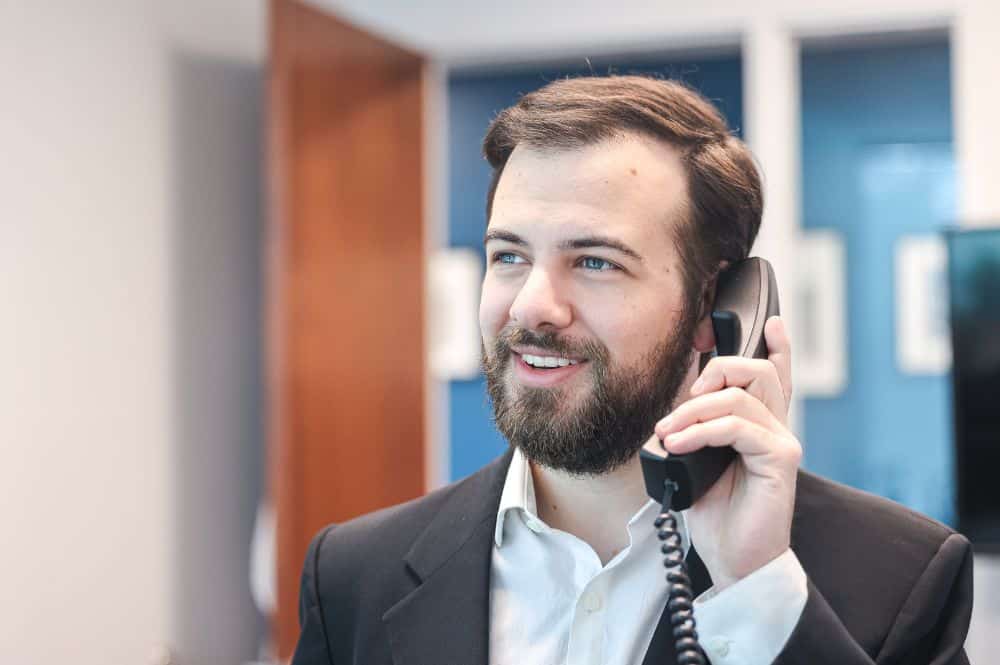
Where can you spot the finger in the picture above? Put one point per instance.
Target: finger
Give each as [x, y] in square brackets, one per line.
[758, 377]
[758, 446]
[779, 352]
[745, 437]
[727, 402]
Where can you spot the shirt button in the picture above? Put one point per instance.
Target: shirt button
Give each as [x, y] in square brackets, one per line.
[719, 646]
[592, 602]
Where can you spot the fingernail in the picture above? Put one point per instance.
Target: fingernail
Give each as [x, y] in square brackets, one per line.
[698, 385]
[671, 441]
[666, 423]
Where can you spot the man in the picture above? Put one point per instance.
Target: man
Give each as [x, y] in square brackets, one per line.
[614, 205]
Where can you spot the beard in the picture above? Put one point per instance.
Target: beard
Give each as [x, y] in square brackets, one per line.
[609, 425]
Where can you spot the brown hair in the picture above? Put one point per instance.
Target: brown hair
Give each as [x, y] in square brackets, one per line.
[724, 186]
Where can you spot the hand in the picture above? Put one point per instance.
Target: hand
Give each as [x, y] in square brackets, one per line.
[745, 519]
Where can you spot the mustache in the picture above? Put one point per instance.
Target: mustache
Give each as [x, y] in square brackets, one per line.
[548, 341]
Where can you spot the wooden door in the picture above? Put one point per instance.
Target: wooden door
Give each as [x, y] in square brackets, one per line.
[345, 286]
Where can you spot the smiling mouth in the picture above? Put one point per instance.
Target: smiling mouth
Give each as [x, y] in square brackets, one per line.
[534, 367]
[547, 362]
[535, 370]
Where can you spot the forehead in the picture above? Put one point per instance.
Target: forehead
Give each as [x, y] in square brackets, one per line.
[630, 186]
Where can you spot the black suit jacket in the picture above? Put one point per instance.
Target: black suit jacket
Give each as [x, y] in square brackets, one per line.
[410, 585]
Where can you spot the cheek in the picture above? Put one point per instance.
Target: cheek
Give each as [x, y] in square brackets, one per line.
[493, 310]
[631, 332]
[621, 330]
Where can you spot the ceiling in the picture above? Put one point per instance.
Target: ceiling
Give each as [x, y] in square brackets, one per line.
[488, 32]
[481, 32]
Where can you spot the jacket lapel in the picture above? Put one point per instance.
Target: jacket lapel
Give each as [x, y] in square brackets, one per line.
[445, 620]
[661, 647]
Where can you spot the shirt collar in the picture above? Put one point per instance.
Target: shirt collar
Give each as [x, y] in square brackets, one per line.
[519, 494]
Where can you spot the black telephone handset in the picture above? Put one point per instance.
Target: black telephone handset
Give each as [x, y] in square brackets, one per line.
[745, 298]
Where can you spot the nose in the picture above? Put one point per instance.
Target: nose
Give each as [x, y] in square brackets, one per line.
[540, 303]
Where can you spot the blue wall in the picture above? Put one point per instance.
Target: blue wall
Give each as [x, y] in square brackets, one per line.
[877, 164]
[473, 101]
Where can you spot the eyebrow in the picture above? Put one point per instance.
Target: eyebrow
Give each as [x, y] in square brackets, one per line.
[584, 242]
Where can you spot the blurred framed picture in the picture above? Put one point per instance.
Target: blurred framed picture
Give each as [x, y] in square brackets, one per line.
[821, 366]
[923, 338]
[454, 277]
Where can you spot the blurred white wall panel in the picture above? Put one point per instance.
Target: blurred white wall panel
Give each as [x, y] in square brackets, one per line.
[437, 439]
[771, 119]
[102, 104]
[976, 102]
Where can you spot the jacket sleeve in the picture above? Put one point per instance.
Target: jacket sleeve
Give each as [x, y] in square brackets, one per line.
[929, 629]
[313, 645]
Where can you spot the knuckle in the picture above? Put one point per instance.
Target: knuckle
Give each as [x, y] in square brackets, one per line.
[792, 450]
[742, 399]
[681, 412]
[726, 425]
[713, 366]
[733, 393]
[742, 427]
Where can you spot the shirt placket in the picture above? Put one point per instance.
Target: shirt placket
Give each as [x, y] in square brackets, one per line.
[588, 628]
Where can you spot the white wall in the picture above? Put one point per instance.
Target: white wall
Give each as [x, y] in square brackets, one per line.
[129, 370]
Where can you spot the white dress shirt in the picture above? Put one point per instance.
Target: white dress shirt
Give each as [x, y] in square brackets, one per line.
[553, 603]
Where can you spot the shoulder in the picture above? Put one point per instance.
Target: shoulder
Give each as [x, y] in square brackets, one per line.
[873, 560]
[828, 512]
[374, 546]
[388, 532]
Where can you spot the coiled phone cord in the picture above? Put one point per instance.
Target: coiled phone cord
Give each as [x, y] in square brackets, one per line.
[680, 598]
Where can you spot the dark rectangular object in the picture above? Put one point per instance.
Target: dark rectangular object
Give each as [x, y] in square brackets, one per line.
[974, 284]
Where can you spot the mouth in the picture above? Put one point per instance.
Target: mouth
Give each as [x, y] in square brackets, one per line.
[541, 370]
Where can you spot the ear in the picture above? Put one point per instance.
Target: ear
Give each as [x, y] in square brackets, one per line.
[704, 334]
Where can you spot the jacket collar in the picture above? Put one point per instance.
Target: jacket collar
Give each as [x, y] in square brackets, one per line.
[446, 618]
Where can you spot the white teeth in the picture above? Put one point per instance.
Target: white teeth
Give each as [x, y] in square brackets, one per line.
[547, 361]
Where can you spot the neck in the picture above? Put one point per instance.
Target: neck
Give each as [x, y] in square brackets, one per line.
[595, 509]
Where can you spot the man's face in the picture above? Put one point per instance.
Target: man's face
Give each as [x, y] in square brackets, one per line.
[582, 274]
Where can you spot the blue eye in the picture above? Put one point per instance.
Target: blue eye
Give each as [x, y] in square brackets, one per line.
[508, 258]
[597, 264]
